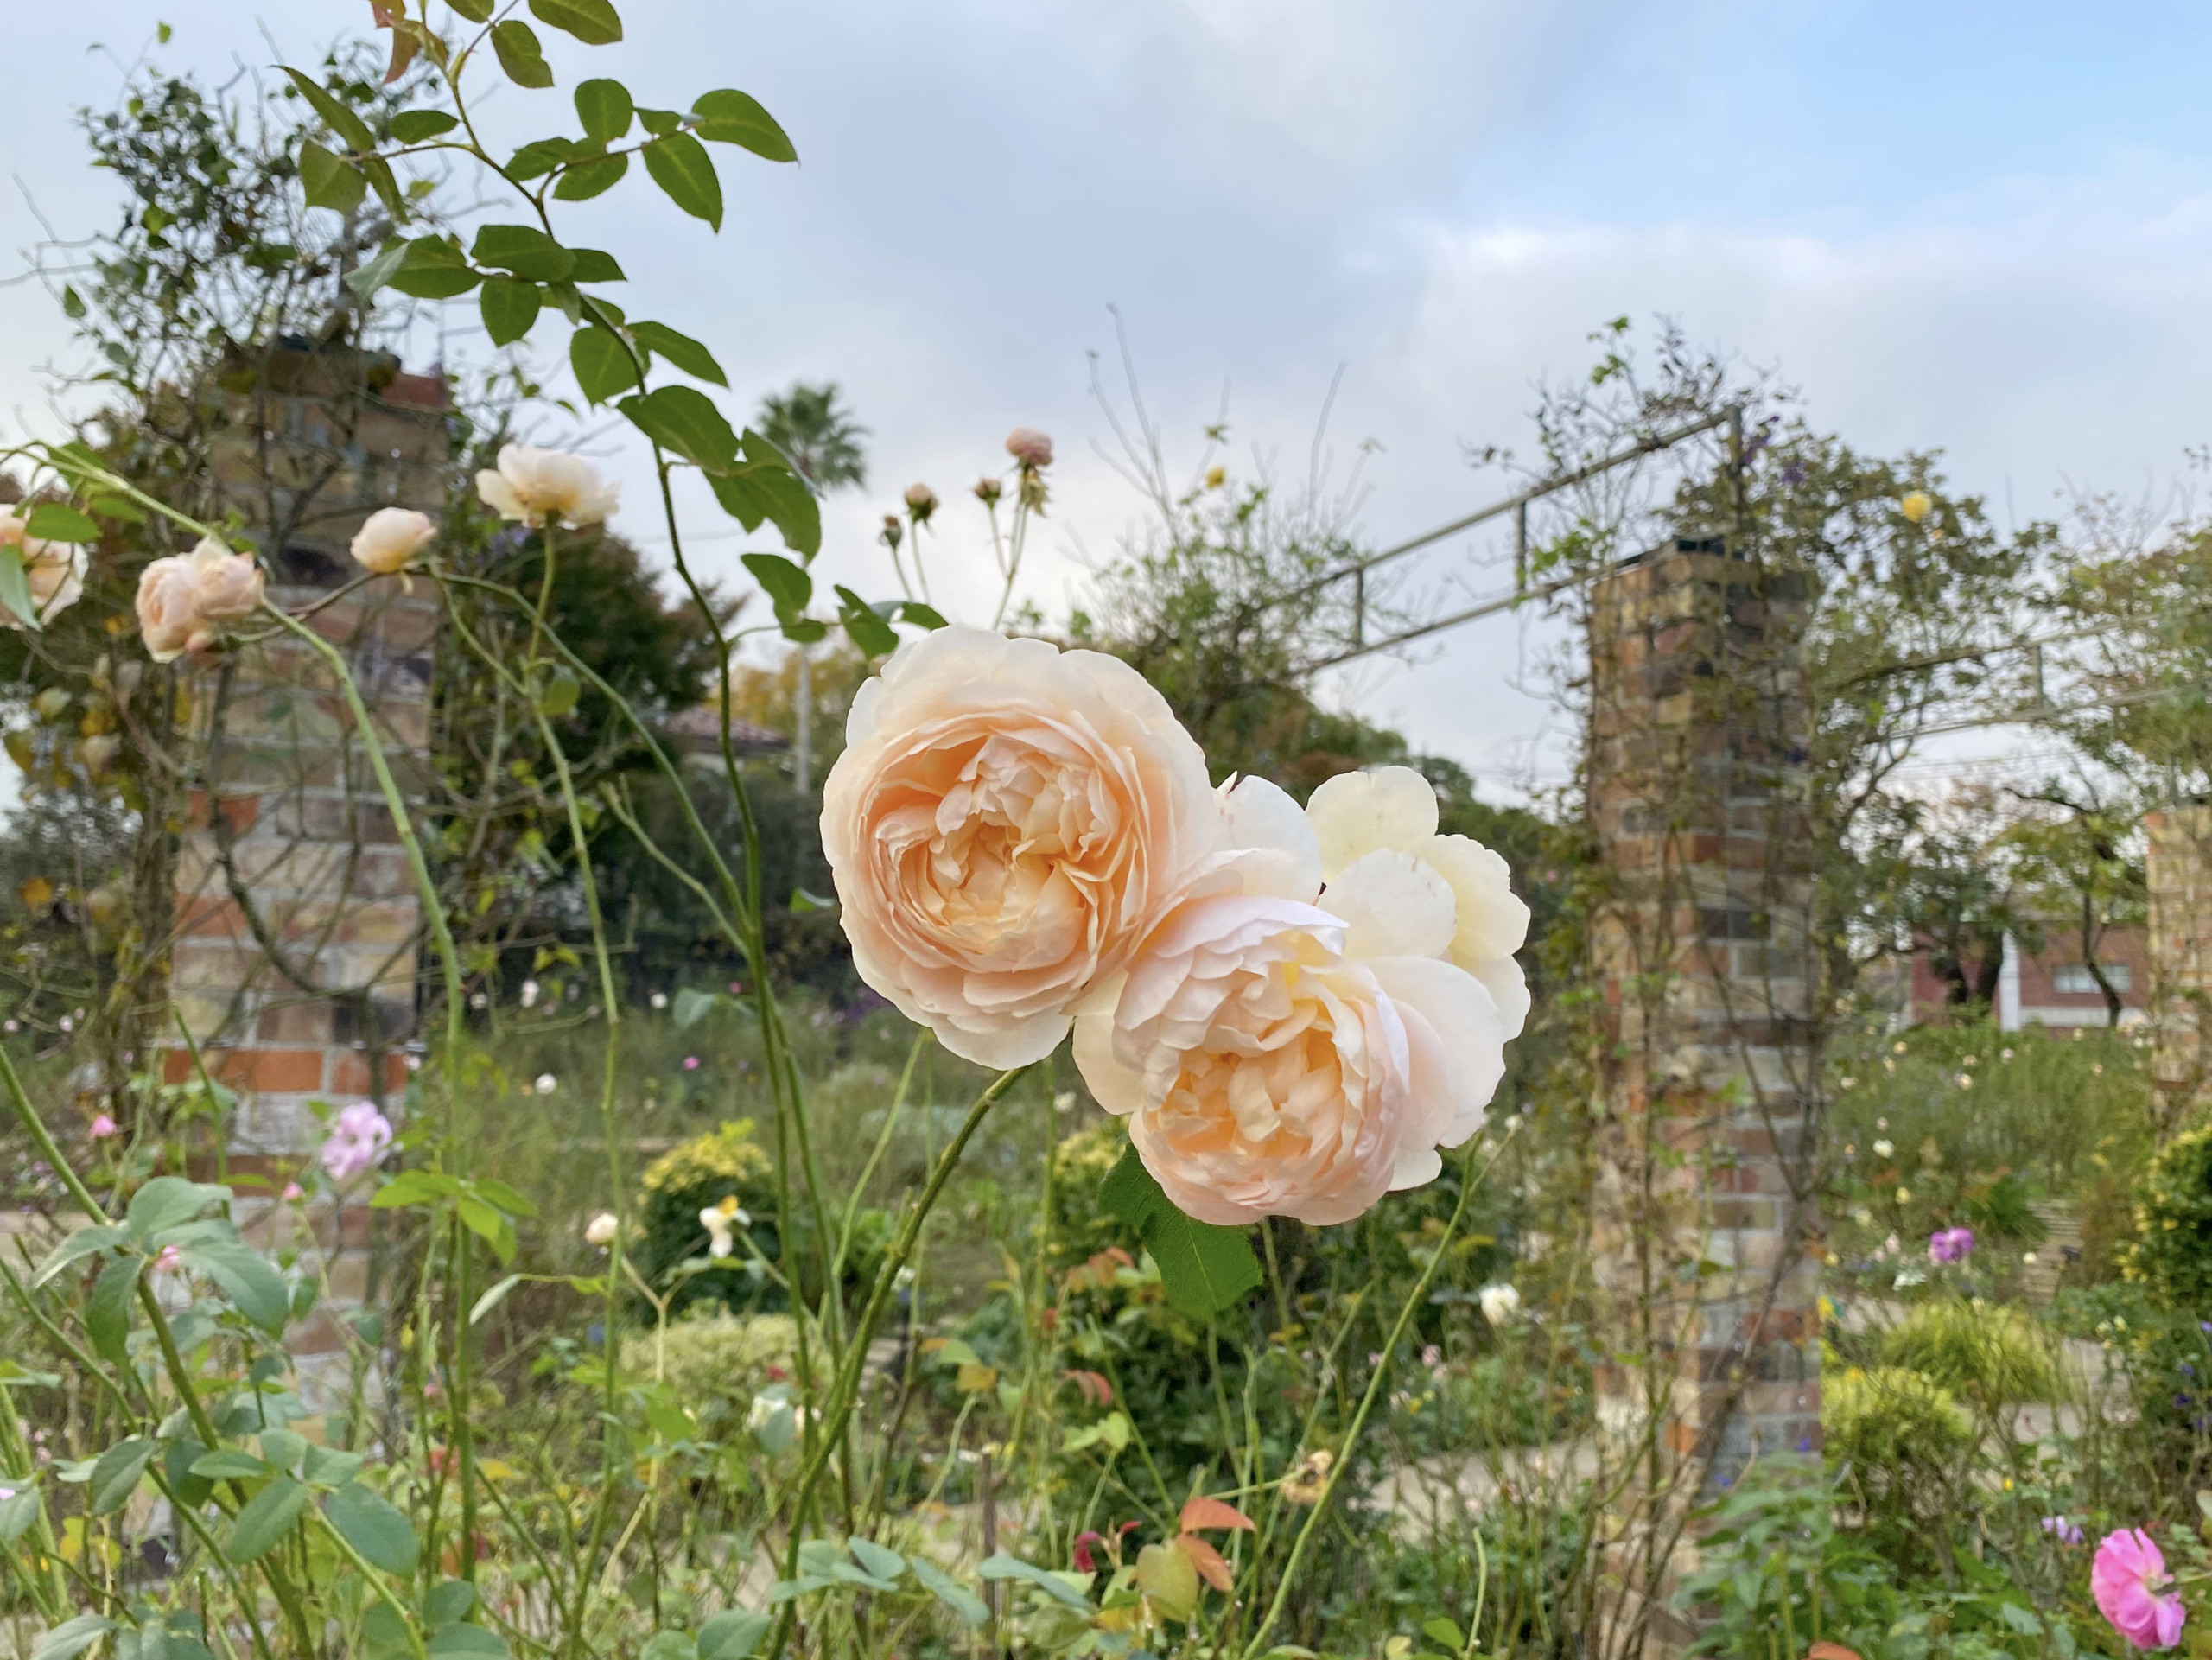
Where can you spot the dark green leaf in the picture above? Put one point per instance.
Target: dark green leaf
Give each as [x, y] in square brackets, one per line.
[752, 493]
[476, 11]
[83, 1243]
[247, 1280]
[732, 1635]
[72, 303]
[680, 350]
[788, 588]
[523, 249]
[166, 1201]
[488, 1225]
[328, 182]
[605, 108]
[659, 123]
[435, 269]
[413, 126]
[509, 307]
[949, 1592]
[267, 1517]
[520, 54]
[592, 22]
[1003, 1567]
[687, 422]
[602, 363]
[1204, 1268]
[16, 588]
[107, 1311]
[869, 632]
[592, 266]
[448, 1602]
[467, 1640]
[386, 186]
[72, 1638]
[383, 1631]
[585, 180]
[732, 117]
[57, 521]
[373, 1526]
[228, 1464]
[340, 119]
[915, 611]
[177, 1459]
[368, 278]
[17, 1512]
[541, 155]
[117, 1474]
[685, 173]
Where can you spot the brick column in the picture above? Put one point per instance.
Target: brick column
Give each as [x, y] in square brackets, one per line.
[2178, 871]
[1697, 784]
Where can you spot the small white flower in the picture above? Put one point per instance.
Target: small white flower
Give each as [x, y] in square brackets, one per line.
[1064, 1102]
[2027, 1258]
[601, 1230]
[1500, 1303]
[547, 1084]
[721, 1222]
[659, 999]
[1883, 1149]
[529, 993]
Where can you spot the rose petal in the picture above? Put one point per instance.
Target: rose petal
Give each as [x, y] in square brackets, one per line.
[1264, 820]
[1393, 905]
[1356, 812]
[1117, 1088]
[1453, 1006]
[1493, 921]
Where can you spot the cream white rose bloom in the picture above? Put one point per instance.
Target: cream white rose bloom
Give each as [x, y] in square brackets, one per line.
[1293, 1049]
[390, 537]
[1500, 1303]
[168, 609]
[1005, 824]
[535, 486]
[230, 584]
[53, 571]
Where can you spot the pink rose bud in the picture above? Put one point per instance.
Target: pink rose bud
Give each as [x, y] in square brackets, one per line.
[921, 502]
[894, 531]
[294, 1193]
[989, 491]
[1029, 447]
[102, 1127]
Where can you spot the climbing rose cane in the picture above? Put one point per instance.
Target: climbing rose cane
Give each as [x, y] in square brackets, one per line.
[2125, 1578]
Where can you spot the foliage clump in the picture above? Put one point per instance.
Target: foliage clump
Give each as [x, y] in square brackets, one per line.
[714, 1362]
[1990, 1355]
[2171, 1252]
[1895, 1434]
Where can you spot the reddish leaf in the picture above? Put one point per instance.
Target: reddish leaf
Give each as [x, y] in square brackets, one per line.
[1204, 1557]
[1093, 1387]
[1830, 1651]
[1203, 1512]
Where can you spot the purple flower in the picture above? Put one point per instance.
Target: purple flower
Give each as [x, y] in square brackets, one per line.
[2066, 1532]
[1951, 1245]
[357, 1141]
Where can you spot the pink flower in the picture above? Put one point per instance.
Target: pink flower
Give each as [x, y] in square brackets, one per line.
[294, 1193]
[690, 1063]
[102, 1127]
[2128, 1571]
[165, 1261]
[1029, 447]
[1951, 1245]
[356, 1142]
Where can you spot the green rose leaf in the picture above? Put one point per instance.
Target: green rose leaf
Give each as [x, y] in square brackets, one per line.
[433, 269]
[520, 56]
[374, 1526]
[605, 108]
[336, 116]
[509, 307]
[72, 1638]
[15, 588]
[584, 180]
[728, 117]
[18, 1513]
[524, 250]
[117, 1473]
[732, 1635]
[328, 182]
[365, 280]
[592, 266]
[1003, 1567]
[248, 1281]
[57, 521]
[476, 11]
[541, 155]
[949, 1592]
[915, 611]
[592, 22]
[687, 422]
[228, 1464]
[758, 491]
[603, 365]
[166, 1201]
[680, 350]
[414, 126]
[867, 630]
[107, 1311]
[470, 1640]
[83, 1243]
[1204, 1268]
[266, 1519]
[788, 588]
[681, 167]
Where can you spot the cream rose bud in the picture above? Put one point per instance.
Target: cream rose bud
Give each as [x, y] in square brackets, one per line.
[230, 584]
[1029, 447]
[536, 486]
[1006, 824]
[168, 609]
[390, 537]
[53, 571]
[1392, 809]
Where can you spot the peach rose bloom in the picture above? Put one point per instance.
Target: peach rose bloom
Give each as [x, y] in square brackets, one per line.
[390, 537]
[1008, 821]
[230, 583]
[168, 609]
[536, 486]
[1296, 1050]
[55, 570]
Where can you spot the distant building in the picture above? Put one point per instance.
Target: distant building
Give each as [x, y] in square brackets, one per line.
[693, 730]
[2053, 986]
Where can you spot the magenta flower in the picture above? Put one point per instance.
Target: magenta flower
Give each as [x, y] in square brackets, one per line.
[1951, 1245]
[102, 1127]
[2125, 1580]
[690, 1063]
[357, 1141]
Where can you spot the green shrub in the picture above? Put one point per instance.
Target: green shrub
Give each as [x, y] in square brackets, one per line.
[1991, 1356]
[713, 1363]
[2171, 1252]
[1896, 1436]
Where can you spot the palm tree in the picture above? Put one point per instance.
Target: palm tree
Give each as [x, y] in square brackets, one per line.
[823, 442]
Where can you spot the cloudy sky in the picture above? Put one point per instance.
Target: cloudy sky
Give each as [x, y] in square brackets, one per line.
[1977, 228]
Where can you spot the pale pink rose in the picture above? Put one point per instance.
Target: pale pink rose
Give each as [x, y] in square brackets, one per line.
[1355, 814]
[390, 537]
[1006, 822]
[357, 1141]
[535, 486]
[1029, 447]
[53, 571]
[1291, 1049]
[2129, 1572]
[230, 583]
[168, 609]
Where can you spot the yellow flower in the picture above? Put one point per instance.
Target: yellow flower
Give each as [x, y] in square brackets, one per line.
[1915, 506]
[1216, 477]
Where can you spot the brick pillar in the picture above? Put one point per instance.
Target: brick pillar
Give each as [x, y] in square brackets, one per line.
[316, 877]
[2177, 870]
[1697, 782]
